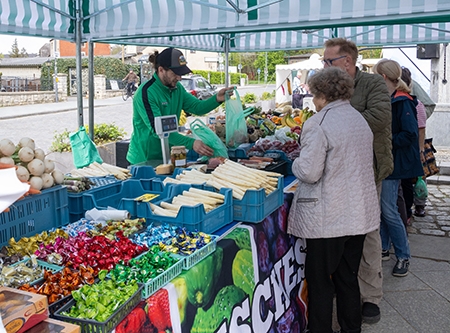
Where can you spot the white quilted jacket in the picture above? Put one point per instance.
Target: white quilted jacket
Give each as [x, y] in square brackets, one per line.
[336, 195]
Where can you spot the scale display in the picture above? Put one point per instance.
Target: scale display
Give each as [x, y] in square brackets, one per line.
[166, 124]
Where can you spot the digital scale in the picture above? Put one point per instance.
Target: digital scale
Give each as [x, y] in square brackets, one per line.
[164, 125]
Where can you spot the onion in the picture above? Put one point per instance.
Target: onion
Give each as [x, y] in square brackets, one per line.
[36, 167]
[49, 166]
[58, 176]
[47, 180]
[22, 173]
[26, 154]
[7, 147]
[7, 160]
[27, 142]
[39, 153]
[36, 183]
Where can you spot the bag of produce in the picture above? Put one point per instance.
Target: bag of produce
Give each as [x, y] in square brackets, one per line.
[235, 125]
[209, 138]
[420, 189]
[84, 150]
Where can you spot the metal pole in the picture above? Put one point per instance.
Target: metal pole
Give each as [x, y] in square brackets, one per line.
[91, 89]
[227, 50]
[265, 71]
[55, 84]
[78, 62]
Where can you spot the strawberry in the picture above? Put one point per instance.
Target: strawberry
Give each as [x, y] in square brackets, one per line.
[159, 311]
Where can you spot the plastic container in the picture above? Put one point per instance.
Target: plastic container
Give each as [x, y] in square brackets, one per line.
[240, 151]
[55, 306]
[121, 195]
[34, 214]
[193, 218]
[76, 210]
[148, 172]
[255, 205]
[281, 155]
[198, 255]
[162, 279]
[42, 265]
[92, 326]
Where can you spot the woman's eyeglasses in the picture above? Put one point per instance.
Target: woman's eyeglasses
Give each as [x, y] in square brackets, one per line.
[329, 62]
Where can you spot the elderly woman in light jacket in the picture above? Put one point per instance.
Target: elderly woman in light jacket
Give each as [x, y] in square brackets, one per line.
[333, 205]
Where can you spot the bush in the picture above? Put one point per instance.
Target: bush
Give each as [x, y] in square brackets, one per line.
[249, 98]
[103, 133]
[267, 96]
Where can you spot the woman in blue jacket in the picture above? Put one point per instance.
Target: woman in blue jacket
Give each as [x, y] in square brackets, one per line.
[407, 164]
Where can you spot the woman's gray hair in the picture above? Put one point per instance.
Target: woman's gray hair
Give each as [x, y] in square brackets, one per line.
[331, 83]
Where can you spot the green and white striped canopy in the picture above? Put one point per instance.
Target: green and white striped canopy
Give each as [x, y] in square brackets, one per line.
[256, 24]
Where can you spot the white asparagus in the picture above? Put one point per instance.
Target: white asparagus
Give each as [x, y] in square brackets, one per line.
[170, 206]
[202, 198]
[256, 171]
[161, 211]
[238, 178]
[238, 193]
[236, 181]
[209, 193]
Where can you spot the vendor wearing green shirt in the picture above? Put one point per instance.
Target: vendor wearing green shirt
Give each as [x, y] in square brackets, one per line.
[164, 95]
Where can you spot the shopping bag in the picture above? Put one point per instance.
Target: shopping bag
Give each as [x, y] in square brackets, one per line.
[420, 189]
[429, 165]
[235, 125]
[209, 138]
[84, 150]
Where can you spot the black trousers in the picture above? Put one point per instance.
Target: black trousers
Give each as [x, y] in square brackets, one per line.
[408, 194]
[332, 267]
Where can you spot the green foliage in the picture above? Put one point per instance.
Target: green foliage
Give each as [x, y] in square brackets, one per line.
[249, 98]
[219, 77]
[273, 59]
[371, 53]
[103, 133]
[15, 52]
[267, 96]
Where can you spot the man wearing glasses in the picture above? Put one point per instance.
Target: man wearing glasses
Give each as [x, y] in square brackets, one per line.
[371, 98]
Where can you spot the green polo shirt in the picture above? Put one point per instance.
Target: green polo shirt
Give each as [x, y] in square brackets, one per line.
[153, 99]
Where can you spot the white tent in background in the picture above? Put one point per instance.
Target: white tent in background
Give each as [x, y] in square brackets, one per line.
[286, 73]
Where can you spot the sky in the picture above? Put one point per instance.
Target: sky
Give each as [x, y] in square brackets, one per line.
[31, 44]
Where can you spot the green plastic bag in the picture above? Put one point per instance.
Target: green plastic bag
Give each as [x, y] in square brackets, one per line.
[209, 138]
[235, 125]
[84, 150]
[420, 189]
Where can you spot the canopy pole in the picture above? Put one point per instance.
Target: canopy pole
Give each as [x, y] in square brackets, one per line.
[78, 62]
[227, 51]
[91, 89]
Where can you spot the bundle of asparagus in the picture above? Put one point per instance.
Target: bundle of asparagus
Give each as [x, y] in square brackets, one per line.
[99, 170]
[193, 197]
[77, 184]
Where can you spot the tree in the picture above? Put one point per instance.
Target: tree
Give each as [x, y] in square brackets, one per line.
[14, 53]
[273, 59]
[23, 53]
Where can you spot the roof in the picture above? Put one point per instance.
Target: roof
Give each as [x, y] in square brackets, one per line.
[203, 24]
[23, 62]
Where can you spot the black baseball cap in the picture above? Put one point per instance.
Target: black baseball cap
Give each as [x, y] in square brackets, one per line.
[173, 59]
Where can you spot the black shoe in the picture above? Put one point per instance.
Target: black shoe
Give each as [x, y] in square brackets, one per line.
[419, 211]
[370, 313]
[401, 268]
[385, 255]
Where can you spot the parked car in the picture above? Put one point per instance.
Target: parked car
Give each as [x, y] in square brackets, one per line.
[198, 86]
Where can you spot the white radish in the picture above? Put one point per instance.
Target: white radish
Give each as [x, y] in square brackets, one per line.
[7, 160]
[7, 147]
[58, 176]
[47, 180]
[39, 153]
[36, 183]
[36, 167]
[22, 173]
[27, 142]
[49, 166]
[26, 154]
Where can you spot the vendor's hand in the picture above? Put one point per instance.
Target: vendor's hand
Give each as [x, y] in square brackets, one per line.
[202, 149]
[220, 97]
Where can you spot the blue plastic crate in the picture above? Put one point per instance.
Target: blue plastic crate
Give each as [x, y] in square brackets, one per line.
[148, 172]
[240, 151]
[34, 214]
[122, 195]
[282, 156]
[76, 210]
[193, 218]
[255, 205]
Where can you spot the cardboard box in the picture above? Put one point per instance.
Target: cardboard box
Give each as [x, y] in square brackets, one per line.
[21, 310]
[54, 326]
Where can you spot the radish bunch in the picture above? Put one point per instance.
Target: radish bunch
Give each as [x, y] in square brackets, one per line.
[32, 166]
